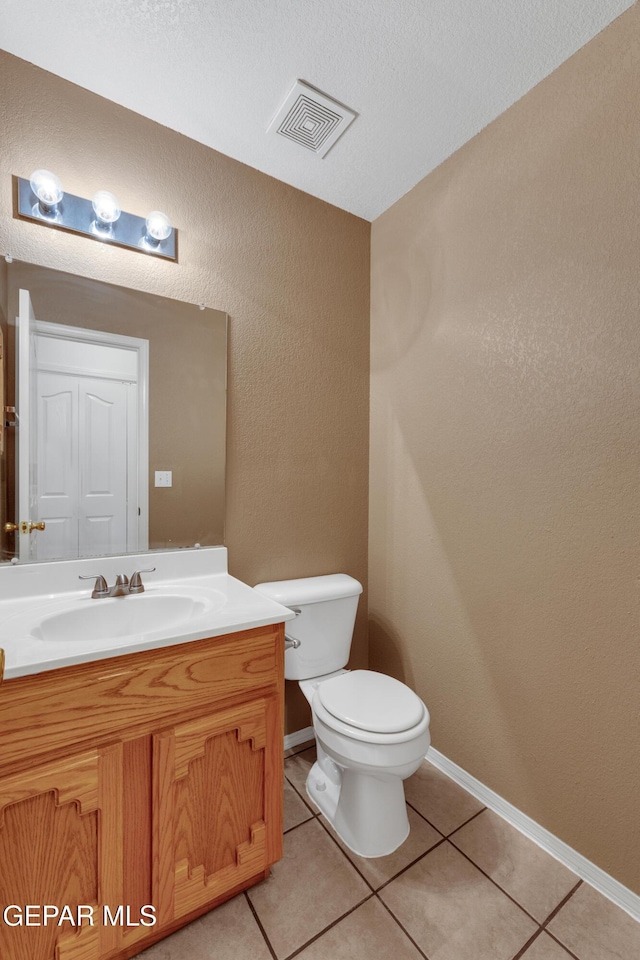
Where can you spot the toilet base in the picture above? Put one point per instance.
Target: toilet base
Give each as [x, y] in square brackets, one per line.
[368, 813]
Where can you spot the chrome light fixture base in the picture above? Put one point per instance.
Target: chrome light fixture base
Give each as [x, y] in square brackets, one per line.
[77, 215]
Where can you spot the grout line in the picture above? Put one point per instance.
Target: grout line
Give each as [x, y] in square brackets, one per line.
[406, 932]
[432, 825]
[570, 953]
[298, 825]
[412, 864]
[449, 835]
[300, 748]
[390, 879]
[303, 797]
[526, 946]
[357, 869]
[289, 829]
[561, 904]
[260, 927]
[328, 927]
[554, 913]
[502, 890]
[543, 929]
[346, 855]
[459, 827]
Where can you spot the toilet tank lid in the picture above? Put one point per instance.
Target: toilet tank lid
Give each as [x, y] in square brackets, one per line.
[310, 589]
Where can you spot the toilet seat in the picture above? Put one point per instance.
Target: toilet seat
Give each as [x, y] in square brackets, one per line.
[371, 701]
[367, 736]
[353, 732]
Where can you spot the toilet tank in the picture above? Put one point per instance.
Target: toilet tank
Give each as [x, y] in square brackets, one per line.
[326, 612]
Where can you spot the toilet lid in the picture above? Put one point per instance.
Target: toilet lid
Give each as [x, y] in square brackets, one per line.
[371, 701]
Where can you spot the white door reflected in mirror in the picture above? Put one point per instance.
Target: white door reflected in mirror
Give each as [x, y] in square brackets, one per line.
[82, 420]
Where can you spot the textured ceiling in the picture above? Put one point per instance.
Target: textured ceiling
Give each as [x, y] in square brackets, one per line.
[424, 76]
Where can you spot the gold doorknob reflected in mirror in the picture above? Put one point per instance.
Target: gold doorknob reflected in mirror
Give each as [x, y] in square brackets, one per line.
[25, 526]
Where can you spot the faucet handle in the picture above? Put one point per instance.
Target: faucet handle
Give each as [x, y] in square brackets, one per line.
[136, 585]
[101, 588]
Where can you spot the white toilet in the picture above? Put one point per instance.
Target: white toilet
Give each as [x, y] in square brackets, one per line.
[372, 732]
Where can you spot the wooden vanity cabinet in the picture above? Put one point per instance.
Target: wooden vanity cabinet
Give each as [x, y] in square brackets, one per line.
[152, 780]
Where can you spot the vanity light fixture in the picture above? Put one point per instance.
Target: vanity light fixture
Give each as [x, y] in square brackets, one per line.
[48, 191]
[106, 208]
[158, 228]
[42, 200]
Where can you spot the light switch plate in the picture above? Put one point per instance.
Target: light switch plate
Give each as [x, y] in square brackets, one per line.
[164, 478]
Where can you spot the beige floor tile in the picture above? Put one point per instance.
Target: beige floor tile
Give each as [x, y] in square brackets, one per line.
[369, 933]
[229, 932]
[545, 948]
[311, 887]
[296, 769]
[595, 929]
[295, 810]
[532, 877]
[439, 799]
[380, 869]
[453, 911]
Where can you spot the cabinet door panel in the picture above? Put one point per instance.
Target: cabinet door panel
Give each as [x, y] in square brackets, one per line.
[60, 845]
[213, 811]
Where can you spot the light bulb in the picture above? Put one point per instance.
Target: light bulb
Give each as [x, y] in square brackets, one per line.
[47, 188]
[106, 208]
[158, 226]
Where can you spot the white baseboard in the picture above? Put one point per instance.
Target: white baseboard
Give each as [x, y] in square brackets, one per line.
[597, 878]
[297, 737]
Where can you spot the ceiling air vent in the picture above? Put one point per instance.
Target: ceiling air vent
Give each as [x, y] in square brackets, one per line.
[311, 119]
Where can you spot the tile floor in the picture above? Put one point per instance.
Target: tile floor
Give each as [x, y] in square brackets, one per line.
[464, 886]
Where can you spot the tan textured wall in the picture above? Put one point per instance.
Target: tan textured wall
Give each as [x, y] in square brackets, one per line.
[291, 271]
[505, 466]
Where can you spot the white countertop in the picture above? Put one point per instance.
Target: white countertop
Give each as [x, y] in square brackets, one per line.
[30, 593]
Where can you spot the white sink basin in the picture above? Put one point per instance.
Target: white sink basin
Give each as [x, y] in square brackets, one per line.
[121, 617]
[47, 621]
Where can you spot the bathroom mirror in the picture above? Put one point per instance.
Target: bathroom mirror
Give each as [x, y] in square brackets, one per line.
[114, 418]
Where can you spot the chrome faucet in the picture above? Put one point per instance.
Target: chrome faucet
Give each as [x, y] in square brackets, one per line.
[135, 584]
[120, 587]
[123, 587]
